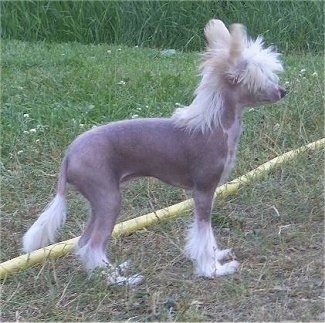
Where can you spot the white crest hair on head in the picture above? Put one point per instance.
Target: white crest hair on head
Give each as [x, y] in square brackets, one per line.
[206, 108]
[262, 64]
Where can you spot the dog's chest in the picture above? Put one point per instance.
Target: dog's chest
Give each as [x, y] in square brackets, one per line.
[233, 134]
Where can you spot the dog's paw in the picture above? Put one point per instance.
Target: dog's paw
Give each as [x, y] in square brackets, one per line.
[216, 269]
[123, 266]
[125, 280]
[224, 254]
[118, 276]
[227, 268]
[135, 280]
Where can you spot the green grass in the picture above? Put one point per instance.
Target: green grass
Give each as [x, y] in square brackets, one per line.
[296, 25]
[52, 92]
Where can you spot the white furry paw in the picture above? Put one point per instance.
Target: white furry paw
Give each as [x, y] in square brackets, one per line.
[223, 254]
[215, 269]
[115, 276]
[124, 280]
[123, 266]
[227, 268]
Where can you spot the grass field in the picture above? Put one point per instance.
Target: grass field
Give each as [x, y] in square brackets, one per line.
[52, 92]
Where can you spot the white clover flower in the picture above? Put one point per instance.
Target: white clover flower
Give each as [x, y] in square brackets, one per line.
[168, 52]
[276, 127]
[121, 83]
[26, 115]
[33, 130]
[135, 116]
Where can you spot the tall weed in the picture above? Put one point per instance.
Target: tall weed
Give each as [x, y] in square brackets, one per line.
[292, 25]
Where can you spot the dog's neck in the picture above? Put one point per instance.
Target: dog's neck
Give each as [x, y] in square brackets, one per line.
[211, 109]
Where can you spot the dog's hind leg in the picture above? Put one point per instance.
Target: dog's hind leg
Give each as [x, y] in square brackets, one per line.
[201, 245]
[105, 199]
[105, 208]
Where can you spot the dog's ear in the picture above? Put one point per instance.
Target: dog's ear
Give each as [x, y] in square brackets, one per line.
[238, 42]
[217, 34]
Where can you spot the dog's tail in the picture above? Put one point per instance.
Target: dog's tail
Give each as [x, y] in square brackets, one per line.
[44, 230]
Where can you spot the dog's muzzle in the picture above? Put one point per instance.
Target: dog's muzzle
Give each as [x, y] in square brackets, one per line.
[282, 91]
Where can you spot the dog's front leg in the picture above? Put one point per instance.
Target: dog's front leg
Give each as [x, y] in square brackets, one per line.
[201, 244]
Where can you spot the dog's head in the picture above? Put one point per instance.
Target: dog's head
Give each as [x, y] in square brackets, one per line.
[242, 65]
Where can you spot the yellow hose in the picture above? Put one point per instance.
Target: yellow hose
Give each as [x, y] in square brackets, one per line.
[62, 248]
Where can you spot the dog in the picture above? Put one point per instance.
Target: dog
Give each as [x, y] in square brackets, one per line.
[195, 149]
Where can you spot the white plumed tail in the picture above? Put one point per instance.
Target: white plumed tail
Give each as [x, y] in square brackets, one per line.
[44, 230]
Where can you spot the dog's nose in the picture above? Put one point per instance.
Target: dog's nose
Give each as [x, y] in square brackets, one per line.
[283, 92]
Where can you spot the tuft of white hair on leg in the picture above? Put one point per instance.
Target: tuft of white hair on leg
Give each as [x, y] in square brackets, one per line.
[44, 229]
[92, 257]
[202, 249]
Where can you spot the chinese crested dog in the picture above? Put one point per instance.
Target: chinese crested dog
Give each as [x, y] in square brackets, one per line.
[193, 149]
